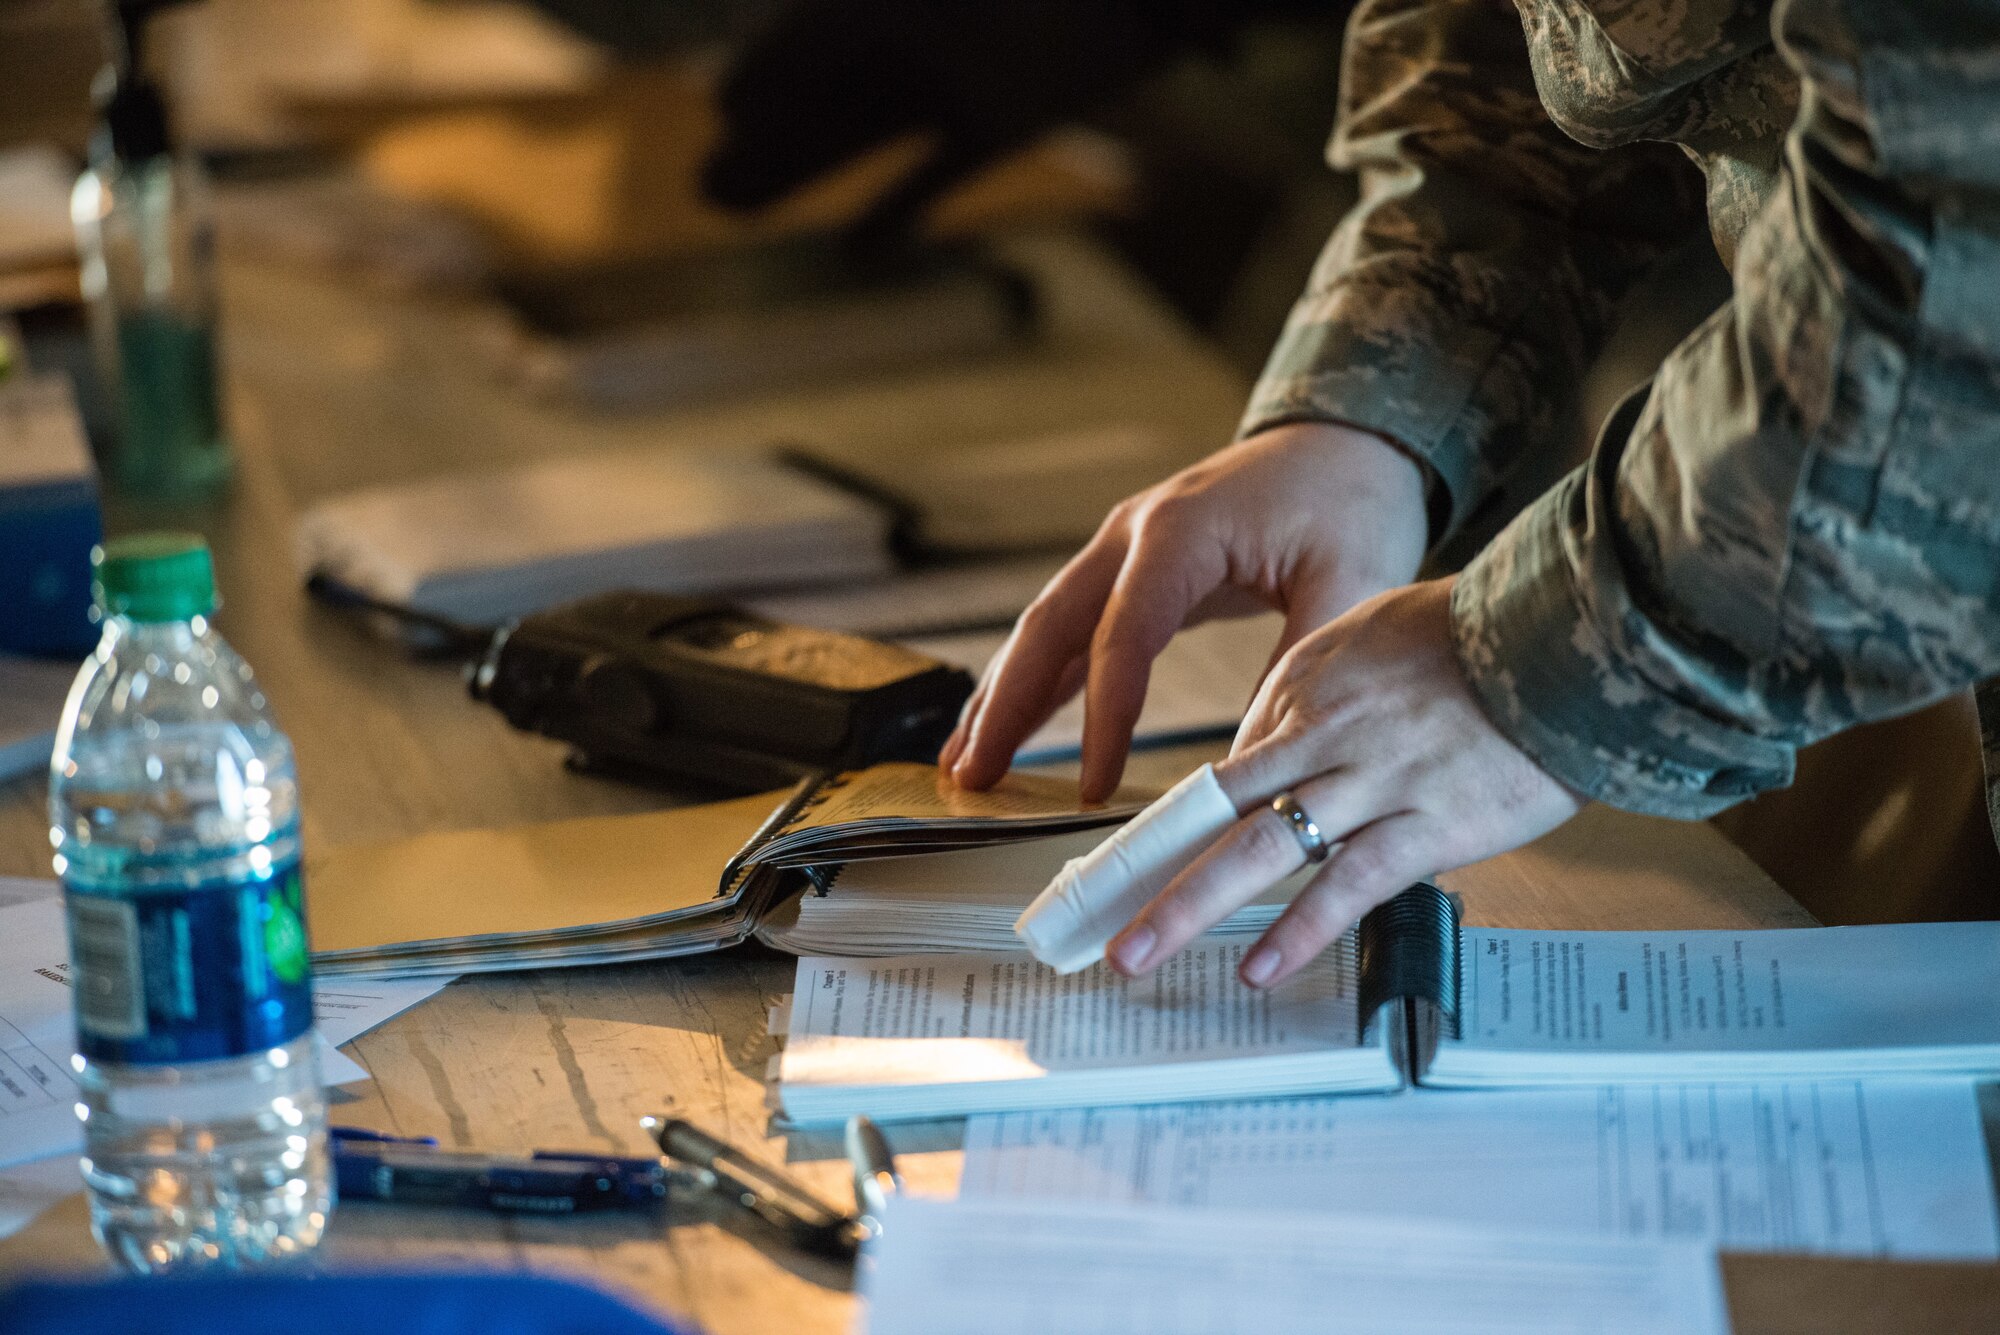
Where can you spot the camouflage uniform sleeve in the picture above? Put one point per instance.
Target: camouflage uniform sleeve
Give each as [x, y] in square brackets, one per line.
[1798, 527]
[1457, 305]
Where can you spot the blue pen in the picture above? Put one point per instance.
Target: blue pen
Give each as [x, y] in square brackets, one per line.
[414, 1171]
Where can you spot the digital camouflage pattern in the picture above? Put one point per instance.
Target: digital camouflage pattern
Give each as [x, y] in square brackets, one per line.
[1796, 526]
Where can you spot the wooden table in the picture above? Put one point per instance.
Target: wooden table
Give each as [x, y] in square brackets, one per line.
[331, 389]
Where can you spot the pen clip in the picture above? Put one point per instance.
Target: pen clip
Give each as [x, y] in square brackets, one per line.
[875, 1175]
[772, 1195]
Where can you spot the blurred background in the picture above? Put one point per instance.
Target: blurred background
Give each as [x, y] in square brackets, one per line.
[456, 142]
[1049, 241]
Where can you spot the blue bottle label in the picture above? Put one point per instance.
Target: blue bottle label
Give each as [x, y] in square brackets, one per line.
[220, 970]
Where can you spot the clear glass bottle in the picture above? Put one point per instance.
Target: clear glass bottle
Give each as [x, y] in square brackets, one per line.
[146, 241]
[173, 808]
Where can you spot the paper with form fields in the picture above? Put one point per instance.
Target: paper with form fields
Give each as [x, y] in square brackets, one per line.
[37, 1033]
[1201, 684]
[1016, 1268]
[1545, 1007]
[933, 1035]
[1886, 1169]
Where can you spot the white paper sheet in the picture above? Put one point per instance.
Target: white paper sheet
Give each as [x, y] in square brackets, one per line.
[1905, 998]
[915, 1036]
[1017, 1268]
[1892, 1169]
[37, 1033]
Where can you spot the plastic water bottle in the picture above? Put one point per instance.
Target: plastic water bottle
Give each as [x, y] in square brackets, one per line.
[173, 807]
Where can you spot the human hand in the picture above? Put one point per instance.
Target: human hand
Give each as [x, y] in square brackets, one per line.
[1309, 519]
[1372, 727]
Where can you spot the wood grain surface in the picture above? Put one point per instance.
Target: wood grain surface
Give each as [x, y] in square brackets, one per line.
[332, 389]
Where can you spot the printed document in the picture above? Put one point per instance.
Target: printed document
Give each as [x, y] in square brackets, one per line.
[934, 1035]
[1886, 1169]
[1540, 1007]
[1022, 1268]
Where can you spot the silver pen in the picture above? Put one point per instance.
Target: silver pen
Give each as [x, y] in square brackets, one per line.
[875, 1176]
[776, 1198]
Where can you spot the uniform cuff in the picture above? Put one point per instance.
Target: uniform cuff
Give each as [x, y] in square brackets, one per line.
[1543, 627]
[1375, 356]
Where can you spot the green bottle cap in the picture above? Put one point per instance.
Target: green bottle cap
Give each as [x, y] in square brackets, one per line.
[153, 577]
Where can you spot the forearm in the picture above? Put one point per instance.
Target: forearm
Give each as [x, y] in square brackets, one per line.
[1800, 528]
[1456, 306]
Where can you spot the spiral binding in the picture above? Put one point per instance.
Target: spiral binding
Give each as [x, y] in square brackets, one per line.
[1409, 948]
[818, 790]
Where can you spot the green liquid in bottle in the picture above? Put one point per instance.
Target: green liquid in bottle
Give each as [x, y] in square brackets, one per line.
[172, 442]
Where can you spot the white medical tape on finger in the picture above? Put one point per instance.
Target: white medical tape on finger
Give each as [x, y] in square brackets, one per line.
[1094, 896]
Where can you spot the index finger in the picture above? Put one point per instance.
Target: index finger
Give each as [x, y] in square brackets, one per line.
[1017, 693]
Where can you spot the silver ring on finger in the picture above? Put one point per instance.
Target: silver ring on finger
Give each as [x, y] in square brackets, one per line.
[1303, 827]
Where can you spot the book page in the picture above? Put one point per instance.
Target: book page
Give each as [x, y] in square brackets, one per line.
[1883, 1169]
[461, 884]
[912, 792]
[965, 1268]
[1915, 985]
[936, 1019]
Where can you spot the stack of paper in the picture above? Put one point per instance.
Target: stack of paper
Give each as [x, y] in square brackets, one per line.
[965, 900]
[485, 547]
[941, 1035]
[957, 1268]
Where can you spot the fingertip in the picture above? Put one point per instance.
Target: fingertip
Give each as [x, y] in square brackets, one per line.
[975, 773]
[1131, 952]
[1260, 967]
[1100, 778]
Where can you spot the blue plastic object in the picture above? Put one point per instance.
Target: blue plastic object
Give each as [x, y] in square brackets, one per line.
[49, 521]
[407, 1304]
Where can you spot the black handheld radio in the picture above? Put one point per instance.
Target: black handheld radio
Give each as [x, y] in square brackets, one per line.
[694, 691]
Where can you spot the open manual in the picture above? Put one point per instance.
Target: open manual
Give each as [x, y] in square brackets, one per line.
[1409, 997]
[699, 878]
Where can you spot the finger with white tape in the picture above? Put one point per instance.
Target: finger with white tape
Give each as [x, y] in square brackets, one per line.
[1094, 896]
